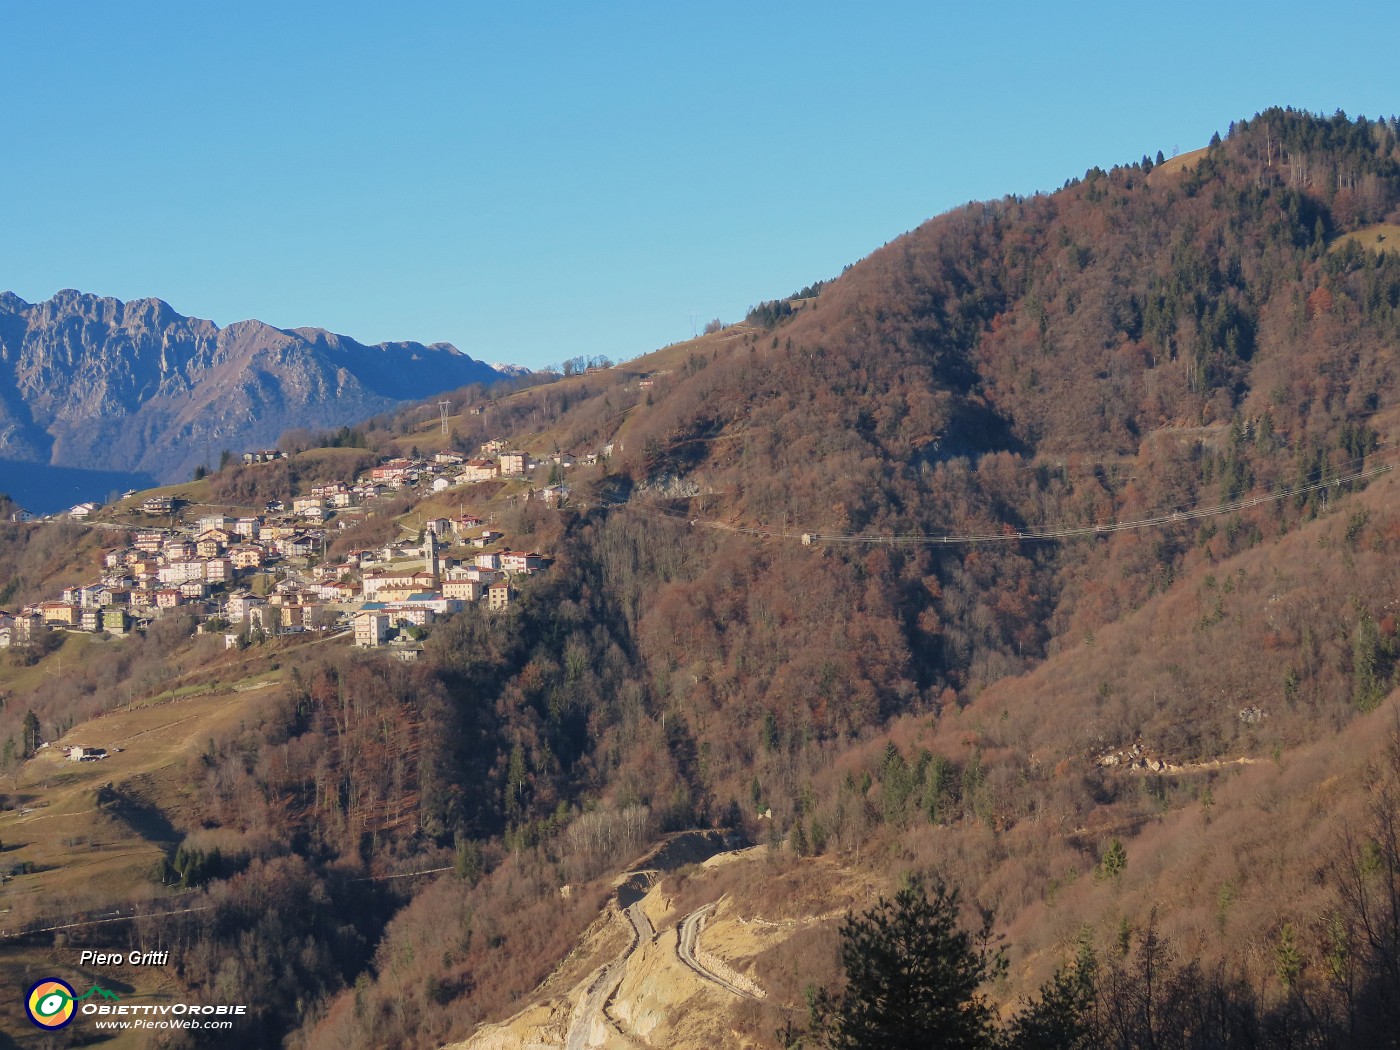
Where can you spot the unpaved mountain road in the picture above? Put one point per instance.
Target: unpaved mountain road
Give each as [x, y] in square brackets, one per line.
[591, 1010]
[692, 956]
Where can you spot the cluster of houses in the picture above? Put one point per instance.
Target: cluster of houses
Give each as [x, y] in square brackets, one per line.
[266, 574]
[443, 471]
[496, 460]
[404, 589]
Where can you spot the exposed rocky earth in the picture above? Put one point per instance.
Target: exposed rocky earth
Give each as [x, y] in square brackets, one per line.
[645, 975]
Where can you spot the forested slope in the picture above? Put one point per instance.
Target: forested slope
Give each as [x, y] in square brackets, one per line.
[1198, 347]
[1200, 342]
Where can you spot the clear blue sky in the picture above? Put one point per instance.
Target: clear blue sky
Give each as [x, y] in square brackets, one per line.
[536, 181]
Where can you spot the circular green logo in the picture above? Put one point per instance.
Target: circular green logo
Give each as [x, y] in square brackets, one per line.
[50, 1003]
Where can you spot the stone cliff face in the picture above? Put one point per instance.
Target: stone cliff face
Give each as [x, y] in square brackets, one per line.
[97, 383]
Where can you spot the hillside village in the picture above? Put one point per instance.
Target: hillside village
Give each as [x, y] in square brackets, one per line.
[1153, 740]
[255, 576]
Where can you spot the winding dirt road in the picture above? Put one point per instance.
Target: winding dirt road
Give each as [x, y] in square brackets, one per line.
[689, 952]
[591, 1011]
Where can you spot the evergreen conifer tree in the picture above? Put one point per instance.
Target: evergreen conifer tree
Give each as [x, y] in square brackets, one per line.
[912, 978]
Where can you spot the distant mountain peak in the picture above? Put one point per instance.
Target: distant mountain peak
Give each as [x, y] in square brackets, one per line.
[91, 381]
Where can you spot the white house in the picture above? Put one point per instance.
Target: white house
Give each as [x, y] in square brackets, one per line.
[371, 628]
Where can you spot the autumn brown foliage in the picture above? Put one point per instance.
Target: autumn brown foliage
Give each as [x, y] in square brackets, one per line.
[928, 682]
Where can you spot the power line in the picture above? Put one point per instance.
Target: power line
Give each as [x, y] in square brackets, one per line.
[1013, 534]
[404, 875]
[131, 914]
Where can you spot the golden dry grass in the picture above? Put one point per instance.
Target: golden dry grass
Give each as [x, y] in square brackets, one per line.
[1383, 236]
[428, 438]
[87, 858]
[1176, 165]
[191, 491]
[75, 648]
[82, 852]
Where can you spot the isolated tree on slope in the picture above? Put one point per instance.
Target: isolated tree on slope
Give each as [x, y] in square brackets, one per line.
[32, 736]
[912, 978]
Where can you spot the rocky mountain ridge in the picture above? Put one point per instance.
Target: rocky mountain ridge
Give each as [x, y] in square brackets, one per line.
[90, 381]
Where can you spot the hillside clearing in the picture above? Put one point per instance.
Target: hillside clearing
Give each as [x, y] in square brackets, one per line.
[1379, 237]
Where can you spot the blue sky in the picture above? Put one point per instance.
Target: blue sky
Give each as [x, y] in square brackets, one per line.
[537, 181]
